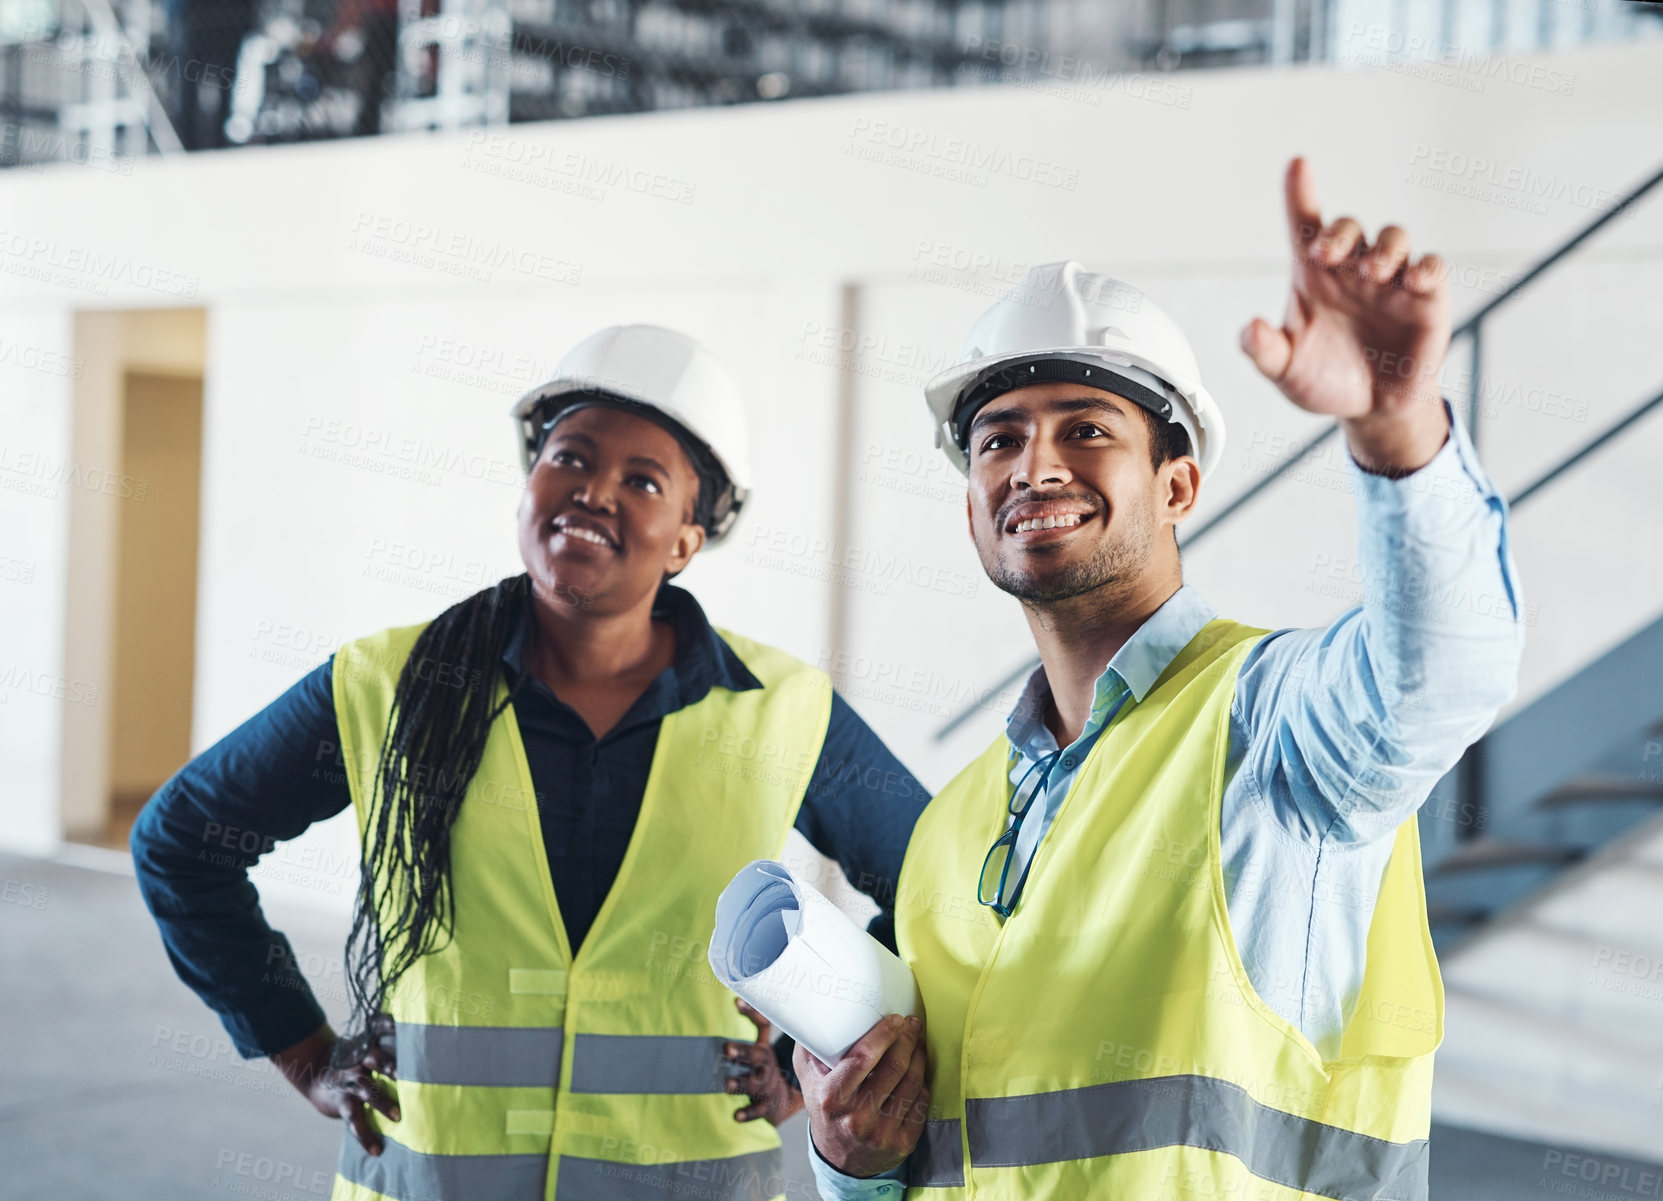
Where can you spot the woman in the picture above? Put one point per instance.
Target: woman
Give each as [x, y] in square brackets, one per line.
[553, 779]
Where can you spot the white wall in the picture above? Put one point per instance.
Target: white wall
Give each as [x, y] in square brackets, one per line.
[765, 214]
[36, 377]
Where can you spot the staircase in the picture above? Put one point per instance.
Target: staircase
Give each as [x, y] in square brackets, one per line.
[1554, 1028]
[1545, 890]
[1544, 791]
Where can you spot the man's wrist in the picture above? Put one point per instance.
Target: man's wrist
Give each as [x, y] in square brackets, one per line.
[1401, 440]
[824, 1159]
[837, 1185]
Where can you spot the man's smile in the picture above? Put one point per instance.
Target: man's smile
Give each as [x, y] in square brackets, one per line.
[1046, 521]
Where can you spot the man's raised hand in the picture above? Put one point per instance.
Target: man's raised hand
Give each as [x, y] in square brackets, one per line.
[1364, 333]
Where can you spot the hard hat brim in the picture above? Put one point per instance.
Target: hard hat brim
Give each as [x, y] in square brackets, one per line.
[1194, 410]
[533, 409]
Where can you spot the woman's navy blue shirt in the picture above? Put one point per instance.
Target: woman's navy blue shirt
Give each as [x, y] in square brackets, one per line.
[280, 771]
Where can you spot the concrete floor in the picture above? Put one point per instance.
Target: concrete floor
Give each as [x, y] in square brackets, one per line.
[118, 1082]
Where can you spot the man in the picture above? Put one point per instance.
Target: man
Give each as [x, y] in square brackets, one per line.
[1200, 967]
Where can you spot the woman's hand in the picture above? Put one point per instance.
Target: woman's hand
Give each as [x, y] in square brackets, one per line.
[342, 1092]
[772, 1096]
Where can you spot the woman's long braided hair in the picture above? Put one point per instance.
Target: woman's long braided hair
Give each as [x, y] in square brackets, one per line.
[442, 714]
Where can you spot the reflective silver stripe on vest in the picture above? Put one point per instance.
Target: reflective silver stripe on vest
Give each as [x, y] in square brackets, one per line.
[648, 1063]
[1194, 1111]
[938, 1160]
[754, 1177]
[506, 1056]
[407, 1175]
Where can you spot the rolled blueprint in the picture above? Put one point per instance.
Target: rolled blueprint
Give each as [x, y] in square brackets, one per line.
[802, 963]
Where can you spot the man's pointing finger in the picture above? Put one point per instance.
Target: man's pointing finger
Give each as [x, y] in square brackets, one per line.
[1304, 213]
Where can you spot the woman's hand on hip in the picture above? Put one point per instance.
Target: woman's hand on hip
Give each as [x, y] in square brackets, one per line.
[344, 1091]
[772, 1095]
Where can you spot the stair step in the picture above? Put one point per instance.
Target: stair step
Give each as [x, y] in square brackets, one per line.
[1600, 787]
[1485, 854]
[1456, 915]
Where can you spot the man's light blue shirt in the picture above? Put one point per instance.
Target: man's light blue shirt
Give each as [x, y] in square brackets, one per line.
[1337, 735]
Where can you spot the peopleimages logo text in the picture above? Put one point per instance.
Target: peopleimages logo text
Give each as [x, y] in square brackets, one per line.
[1525, 181]
[964, 152]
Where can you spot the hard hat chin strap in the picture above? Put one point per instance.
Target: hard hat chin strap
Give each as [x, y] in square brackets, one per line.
[1053, 368]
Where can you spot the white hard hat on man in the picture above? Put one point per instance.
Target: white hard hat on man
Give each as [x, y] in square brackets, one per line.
[1064, 323]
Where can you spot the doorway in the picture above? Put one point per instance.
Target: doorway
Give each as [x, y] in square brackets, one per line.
[132, 613]
[155, 600]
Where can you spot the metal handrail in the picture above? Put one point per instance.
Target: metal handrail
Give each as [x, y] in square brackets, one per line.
[1582, 236]
[1472, 327]
[1564, 465]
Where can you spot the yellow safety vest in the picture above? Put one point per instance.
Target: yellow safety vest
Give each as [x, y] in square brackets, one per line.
[1104, 1041]
[526, 1075]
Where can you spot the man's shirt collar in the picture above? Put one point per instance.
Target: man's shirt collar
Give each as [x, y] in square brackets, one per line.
[1134, 669]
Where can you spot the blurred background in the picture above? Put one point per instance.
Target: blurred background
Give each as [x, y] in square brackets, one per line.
[254, 397]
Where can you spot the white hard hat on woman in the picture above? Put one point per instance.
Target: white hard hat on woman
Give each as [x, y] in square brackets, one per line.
[674, 379]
